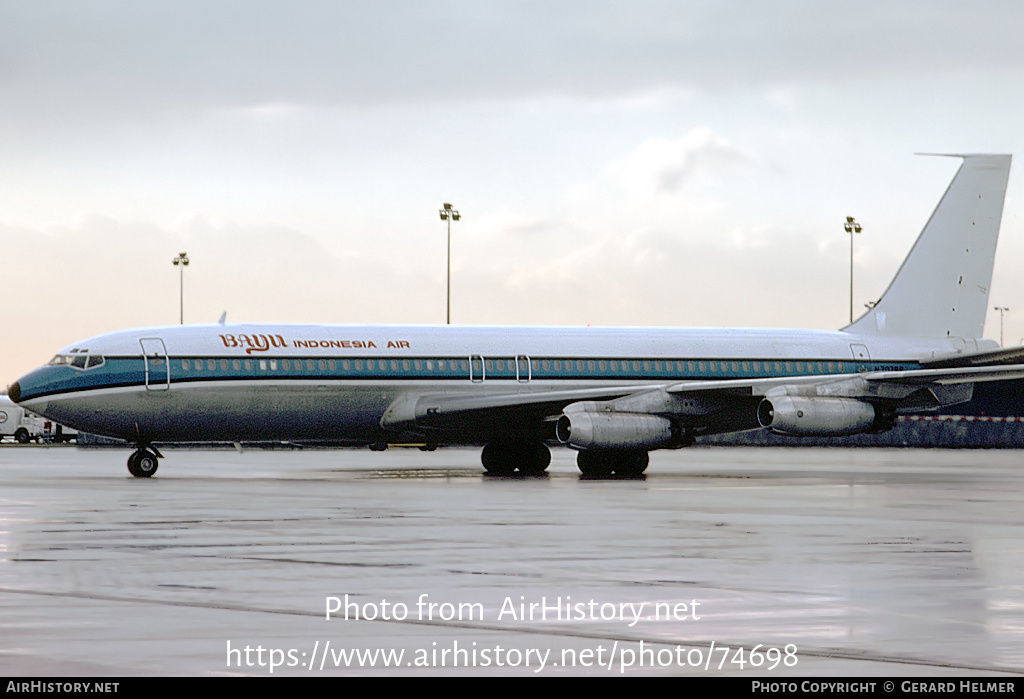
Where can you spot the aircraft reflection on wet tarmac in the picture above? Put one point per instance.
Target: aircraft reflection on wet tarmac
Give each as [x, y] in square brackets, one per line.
[838, 562]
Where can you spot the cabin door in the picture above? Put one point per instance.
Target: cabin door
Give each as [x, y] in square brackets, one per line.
[523, 369]
[476, 368]
[158, 368]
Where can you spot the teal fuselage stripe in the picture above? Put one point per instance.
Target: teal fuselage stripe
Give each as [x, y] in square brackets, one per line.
[130, 371]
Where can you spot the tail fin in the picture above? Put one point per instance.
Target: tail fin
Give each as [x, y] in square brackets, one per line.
[941, 289]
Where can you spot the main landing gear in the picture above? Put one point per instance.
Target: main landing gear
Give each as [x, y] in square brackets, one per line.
[522, 458]
[607, 463]
[143, 462]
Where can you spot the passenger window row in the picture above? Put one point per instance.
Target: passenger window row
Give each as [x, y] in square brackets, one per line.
[313, 365]
[688, 367]
[505, 366]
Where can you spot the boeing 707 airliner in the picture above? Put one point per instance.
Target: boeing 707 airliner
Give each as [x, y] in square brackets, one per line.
[612, 394]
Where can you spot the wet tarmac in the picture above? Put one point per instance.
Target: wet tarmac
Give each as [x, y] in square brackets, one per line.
[722, 561]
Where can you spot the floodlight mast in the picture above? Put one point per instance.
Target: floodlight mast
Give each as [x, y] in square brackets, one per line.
[181, 261]
[449, 214]
[851, 226]
[1002, 310]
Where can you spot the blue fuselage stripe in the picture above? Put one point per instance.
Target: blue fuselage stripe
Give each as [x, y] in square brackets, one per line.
[118, 372]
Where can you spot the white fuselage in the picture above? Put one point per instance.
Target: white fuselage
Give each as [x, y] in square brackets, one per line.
[334, 383]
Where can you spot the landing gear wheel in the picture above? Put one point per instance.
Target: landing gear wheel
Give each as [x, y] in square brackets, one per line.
[142, 463]
[497, 460]
[535, 459]
[605, 464]
[528, 459]
[632, 464]
[594, 464]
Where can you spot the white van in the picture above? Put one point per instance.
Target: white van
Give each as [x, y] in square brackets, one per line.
[17, 422]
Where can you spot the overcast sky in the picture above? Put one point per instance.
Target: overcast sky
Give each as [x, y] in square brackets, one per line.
[640, 163]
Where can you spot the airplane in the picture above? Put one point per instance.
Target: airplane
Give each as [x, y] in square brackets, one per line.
[612, 394]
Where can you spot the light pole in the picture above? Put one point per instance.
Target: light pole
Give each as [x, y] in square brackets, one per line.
[449, 214]
[181, 261]
[851, 227]
[1002, 310]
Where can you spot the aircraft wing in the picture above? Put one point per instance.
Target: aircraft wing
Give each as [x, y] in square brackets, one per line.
[841, 404]
[439, 410]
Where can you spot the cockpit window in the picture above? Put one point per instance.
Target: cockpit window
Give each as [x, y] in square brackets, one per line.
[78, 361]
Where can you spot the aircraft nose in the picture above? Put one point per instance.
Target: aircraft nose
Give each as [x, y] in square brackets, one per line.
[14, 392]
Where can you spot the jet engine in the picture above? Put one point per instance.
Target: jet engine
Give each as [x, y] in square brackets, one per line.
[586, 430]
[820, 416]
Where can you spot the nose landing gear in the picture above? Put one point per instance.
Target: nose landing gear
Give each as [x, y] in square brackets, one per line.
[143, 462]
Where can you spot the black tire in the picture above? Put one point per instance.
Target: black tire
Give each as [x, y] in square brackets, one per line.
[632, 464]
[605, 464]
[496, 460]
[594, 464]
[22, 436]
[535, 459]
[505, 459]
[143, 463]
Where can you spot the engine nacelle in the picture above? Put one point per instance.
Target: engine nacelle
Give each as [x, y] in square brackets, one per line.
[821, 417]
[587, 430]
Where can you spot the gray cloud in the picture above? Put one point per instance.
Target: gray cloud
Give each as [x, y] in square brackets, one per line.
[299, 153]
[122, 57]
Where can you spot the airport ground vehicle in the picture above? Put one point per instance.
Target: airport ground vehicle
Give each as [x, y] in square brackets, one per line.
[19, 423]
[58, 433]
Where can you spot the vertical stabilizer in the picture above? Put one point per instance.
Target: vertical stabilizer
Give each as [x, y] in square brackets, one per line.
[941, 289]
